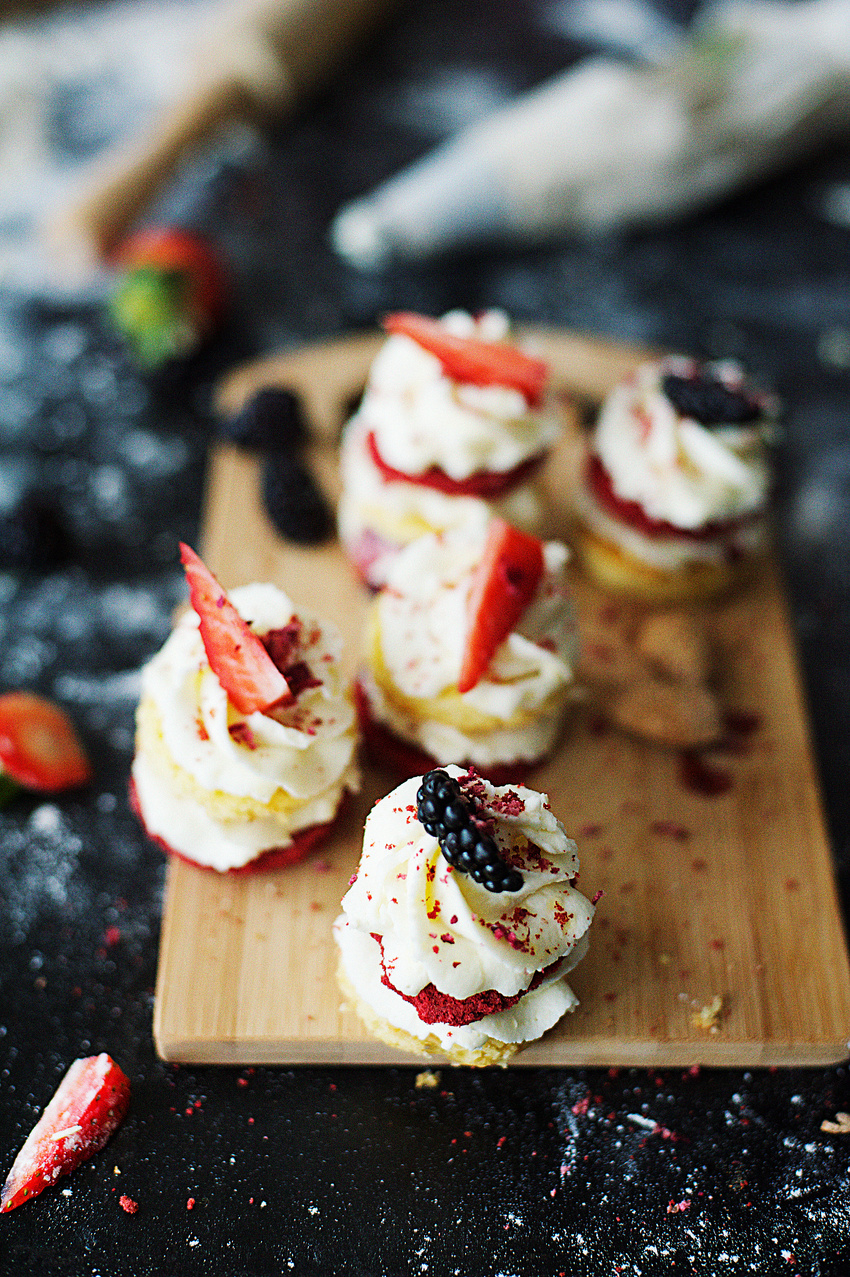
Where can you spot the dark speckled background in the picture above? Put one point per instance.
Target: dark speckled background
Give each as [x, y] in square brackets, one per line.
[330, 1171]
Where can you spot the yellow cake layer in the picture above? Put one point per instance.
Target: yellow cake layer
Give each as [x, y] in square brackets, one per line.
[218, 803]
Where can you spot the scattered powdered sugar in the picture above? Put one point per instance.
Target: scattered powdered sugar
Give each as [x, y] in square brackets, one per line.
[40, 861]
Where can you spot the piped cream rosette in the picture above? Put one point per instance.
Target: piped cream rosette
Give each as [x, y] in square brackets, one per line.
[416, 935]
[220, 787]
[416, 634]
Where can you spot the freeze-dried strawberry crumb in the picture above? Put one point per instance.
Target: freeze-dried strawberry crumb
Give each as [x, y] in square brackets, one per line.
[190, 1204]
[127, 1204]
[509, 804]
[671, 829]
[242, 734]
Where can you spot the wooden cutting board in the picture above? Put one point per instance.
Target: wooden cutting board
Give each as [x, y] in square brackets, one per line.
[718, 940]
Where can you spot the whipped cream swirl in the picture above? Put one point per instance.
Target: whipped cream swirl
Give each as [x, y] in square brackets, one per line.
[301, 755]
[679, 470]
[421, 418]
[438, 927]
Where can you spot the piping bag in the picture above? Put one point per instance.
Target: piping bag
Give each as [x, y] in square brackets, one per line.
[611, 146]
[256, 59]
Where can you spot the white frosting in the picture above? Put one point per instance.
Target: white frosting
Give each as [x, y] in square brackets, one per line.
[670, 553]
[678, 470]
[305, 749]
[422, 624]
[422, 418]
[437, 926]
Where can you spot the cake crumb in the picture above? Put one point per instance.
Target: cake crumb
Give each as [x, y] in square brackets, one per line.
[841, 1125]
[709, 1016]
[427, 1080]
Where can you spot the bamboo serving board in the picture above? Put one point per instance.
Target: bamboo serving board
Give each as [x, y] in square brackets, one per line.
[718, 939]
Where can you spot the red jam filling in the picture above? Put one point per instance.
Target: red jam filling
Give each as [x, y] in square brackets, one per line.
[633, 513]
[434, 1007]
[483, 483]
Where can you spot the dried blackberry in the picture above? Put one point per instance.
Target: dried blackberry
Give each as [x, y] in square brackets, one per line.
[294, 502]
[709, 401]
[272, 421]
[448, 816]
[33, 535]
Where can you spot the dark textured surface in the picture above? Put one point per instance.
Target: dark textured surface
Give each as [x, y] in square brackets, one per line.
[325, 1171]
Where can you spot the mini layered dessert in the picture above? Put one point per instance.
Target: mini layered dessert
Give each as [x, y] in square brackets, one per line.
[245, 743]
[462, 920]
[454, 420]
[471, 648]
[674, 501]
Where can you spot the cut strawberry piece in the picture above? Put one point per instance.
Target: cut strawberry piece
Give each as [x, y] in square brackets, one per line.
[235, 653]
[482, 363]
[39, 748]
[91, 1101]
[502, 588]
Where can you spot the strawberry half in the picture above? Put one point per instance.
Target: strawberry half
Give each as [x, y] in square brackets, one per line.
[503, 585]
[236, 656]
[89, 1104]
[482, 363]
[39, 748]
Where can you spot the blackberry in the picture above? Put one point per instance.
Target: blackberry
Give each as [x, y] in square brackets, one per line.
[294, 502]
[272, 421]
[709, 401]
[449, 817]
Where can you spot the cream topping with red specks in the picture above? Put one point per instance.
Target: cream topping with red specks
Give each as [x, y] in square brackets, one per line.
[679, 470]
[306, 749]
[421, 417]
[422, 626]
[438, 926]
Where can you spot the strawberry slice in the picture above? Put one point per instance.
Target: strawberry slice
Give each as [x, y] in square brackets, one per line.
[39, 748]
[503, 585]
[236, 656]
[482, 363]
[91, 1101]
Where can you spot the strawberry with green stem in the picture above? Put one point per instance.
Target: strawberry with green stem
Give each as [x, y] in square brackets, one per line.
[503, 584]
[171, 297]
[90, 1103]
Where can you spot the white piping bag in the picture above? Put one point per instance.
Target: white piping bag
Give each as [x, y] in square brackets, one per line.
[611, 146]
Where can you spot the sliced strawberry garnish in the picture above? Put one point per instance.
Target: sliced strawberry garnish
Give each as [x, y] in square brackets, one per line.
[502, 588]
[235, 653]
[483, 363]
[92, 1098]
[39, 748]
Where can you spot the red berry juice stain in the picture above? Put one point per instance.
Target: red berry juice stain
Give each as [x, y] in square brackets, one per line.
[699, 776]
